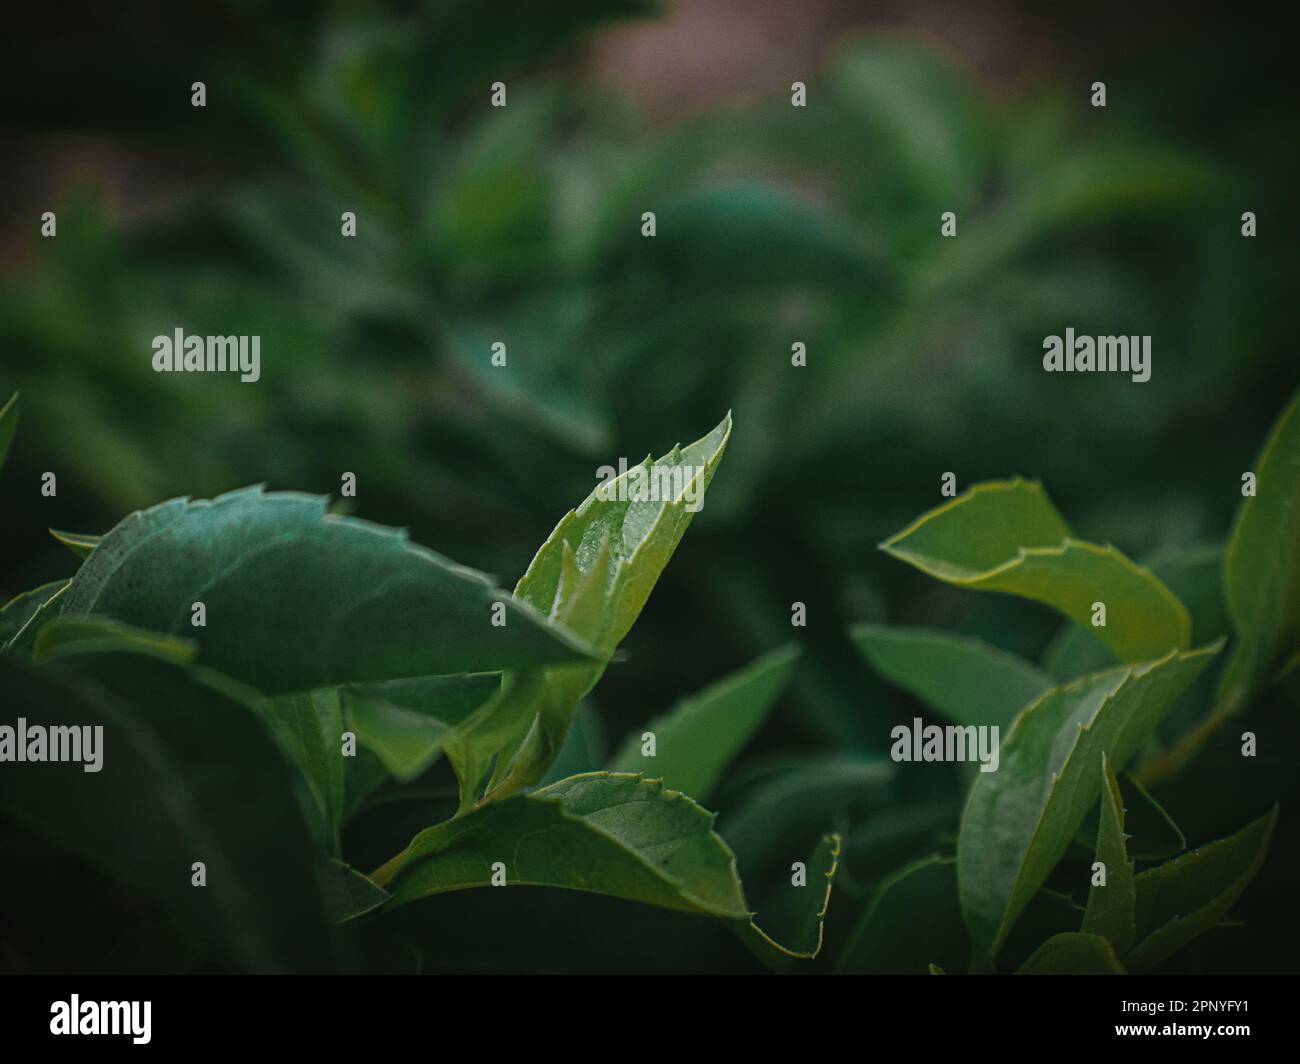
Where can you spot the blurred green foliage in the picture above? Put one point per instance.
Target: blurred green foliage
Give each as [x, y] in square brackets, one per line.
[775, 225]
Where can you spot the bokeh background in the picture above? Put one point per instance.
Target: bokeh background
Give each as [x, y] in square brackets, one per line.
[775, 225]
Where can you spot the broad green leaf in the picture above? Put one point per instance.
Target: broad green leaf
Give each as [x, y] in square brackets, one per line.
[605, 833]
[348, 893]
[188, 773]
[697, 738]
[1018, 821]
[19, 609]
[936, 970]
[914, 917]
[965, 679]
[593, 575]
[79, 543]
[1150, 831]
[1110, 906]
[8, 426]
[404, 722]
[1073, 953]
[1187, 896]
[1006, 536]
[297, 599]
[1261, 572]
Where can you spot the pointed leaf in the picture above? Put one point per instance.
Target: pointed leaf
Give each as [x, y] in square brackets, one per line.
[594, 574]
[1261, 574]
[296, 599]
[1151, 832]
[81, 544]
[1018, 821]
[1187, 896]
[1006, 536]
[348, 893]
[1110, 907]
[697, 739]
[967, 680]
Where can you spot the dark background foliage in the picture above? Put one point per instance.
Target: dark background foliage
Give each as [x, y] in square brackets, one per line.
[776, 225]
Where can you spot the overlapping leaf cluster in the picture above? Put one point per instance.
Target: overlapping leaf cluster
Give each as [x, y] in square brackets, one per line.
[236, 740]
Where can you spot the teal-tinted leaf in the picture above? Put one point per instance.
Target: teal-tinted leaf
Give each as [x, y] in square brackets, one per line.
[914, 917]
[188, 773]
[1110, 906]
[297, 599]
[1261, 573]
[593, 575]
[697, 738]
[19, 609]
[965, 679]
[605, 833]
[8, 426]
[1151, 832]
[1073, 953]
[1189, 895]
[1006, 536]
[1018, 821]
[404, 722]
[80, 544]
[348, 894]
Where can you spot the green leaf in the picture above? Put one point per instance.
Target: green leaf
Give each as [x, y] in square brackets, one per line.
[348, 893]
[794, 920]
[1151, 832]
[697, 739]
[60, 638]
[1194, 575]
[79, 543]
[188, 773]
[19, 609]
[1187, 896]
[1073, 953]
[1006, 536]
[914, 917]
[1261, 573]
[593, 574]
[309, 726]
[21, 642]
[965, 679]
[8, 426]
[1110, 907]
[1018, 821]
[405, 722]
[800, 798]
[605, 833]
[297, 599]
